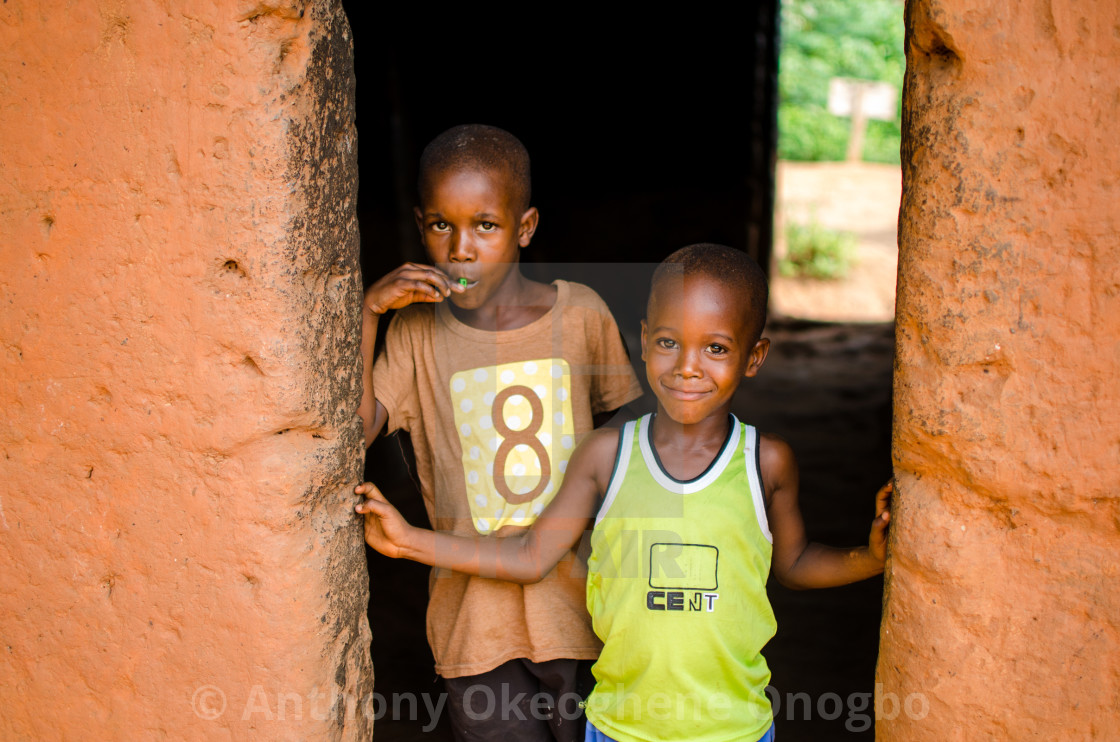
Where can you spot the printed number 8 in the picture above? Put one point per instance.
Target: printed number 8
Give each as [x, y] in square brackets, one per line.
[511, 438]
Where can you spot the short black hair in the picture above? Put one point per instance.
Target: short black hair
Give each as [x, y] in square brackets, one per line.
[731, 267]
[478, 147]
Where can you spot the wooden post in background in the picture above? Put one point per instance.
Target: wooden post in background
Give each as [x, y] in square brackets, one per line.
[861, 100]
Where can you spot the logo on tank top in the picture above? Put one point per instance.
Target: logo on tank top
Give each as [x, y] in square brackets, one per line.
[683, 577]
[517, 433]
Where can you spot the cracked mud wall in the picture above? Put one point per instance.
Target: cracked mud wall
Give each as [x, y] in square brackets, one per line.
[1002, 595]
[179, 298]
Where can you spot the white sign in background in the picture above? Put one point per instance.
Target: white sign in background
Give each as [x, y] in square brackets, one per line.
[876, 100]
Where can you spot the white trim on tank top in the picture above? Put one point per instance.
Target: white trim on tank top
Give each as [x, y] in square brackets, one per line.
[754, 475]
[621, 463]
[750, 462]
[710, 475]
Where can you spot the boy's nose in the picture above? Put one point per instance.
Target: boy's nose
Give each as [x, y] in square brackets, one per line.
[688, 363]
[462, 251]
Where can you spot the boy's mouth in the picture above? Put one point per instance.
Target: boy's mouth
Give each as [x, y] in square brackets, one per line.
[685, 394]
[466, 283]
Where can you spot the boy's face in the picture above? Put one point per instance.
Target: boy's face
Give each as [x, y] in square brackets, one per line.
[697, 346]
[472, 227]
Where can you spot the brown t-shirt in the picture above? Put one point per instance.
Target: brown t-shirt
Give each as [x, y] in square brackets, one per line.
[494, 418]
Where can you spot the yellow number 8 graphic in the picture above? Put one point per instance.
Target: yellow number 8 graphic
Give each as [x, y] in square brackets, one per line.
[512, 438]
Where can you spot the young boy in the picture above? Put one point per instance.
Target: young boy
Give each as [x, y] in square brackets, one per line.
[496, 377]
[692, 510]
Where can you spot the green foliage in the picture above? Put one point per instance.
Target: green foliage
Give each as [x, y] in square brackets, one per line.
[822, 39]
[814, 251]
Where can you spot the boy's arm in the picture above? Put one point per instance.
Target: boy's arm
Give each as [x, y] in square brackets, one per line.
[406, 285]
[798, 563]
[526, 557]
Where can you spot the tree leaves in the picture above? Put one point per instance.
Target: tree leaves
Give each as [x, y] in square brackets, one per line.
[822, 39]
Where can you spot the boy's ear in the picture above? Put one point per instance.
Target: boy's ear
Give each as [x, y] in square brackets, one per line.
[528, 226]
[757, 356]
[643, 339]
[419, 217]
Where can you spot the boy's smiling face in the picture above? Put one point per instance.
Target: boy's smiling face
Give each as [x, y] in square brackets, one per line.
[473, 227]
[697, 345]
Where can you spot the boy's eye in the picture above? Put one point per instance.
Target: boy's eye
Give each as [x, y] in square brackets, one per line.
[667, 343]
[439, 226]
[487, 226]
[716, 349]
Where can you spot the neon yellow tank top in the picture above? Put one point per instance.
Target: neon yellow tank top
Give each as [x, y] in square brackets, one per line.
[676, 589]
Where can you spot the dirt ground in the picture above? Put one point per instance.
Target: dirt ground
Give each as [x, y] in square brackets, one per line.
[861, 198]
[826, 388]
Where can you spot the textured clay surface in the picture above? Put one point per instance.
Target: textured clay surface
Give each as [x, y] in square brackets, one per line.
[179, 323]
[1001, 606]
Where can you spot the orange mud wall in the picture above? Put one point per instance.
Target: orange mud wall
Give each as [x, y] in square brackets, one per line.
[1000, 617]
[180, 294]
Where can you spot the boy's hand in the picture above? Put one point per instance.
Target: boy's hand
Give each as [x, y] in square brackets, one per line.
[386, 528]
[877, 544]
[406, 285]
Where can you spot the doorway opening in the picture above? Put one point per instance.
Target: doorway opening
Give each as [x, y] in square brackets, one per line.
[645, 137]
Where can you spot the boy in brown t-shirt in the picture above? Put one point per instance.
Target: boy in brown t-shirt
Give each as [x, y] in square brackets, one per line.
[496, 387]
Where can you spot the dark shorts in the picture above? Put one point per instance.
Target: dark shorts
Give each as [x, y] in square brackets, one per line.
[521, 701]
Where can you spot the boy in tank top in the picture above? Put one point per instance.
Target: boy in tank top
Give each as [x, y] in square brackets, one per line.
[692, 510]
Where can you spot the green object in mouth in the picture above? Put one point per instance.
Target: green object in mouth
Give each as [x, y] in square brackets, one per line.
[463, 282]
